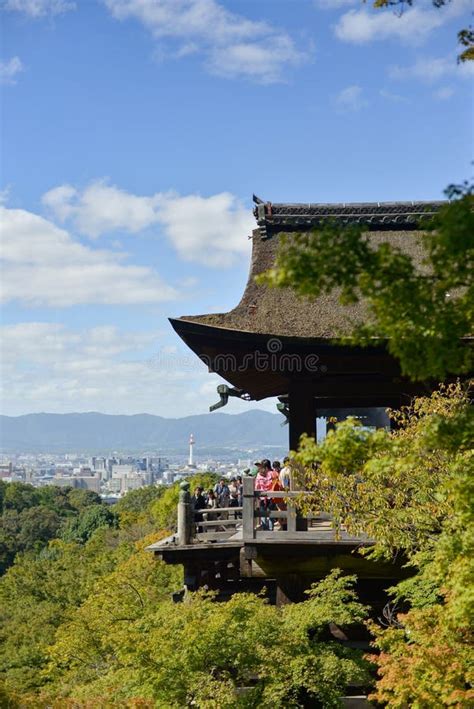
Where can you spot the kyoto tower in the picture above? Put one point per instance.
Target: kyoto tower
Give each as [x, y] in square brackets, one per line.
[191, 444]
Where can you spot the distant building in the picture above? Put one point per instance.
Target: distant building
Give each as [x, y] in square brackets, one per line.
[6, 470]
[86, 482]
[121, 469]
[132, 482]
[191, 453]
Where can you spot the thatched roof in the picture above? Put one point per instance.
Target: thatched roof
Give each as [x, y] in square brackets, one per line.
[280, 312]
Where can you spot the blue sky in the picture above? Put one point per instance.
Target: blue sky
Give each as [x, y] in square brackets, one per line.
[133, 135]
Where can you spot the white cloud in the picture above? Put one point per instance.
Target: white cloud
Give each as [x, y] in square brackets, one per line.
[43, 265]
[208, 230]
[186, 18]
[212, 231]
[10, 69]
[431, 69]
[257, 60]
[50, 367]
[39, 8]
[414, 25]
[102, 208]
[444, 93]
[350, 99]
[230, 44]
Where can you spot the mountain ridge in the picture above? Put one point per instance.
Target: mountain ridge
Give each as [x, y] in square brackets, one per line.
[97, 431]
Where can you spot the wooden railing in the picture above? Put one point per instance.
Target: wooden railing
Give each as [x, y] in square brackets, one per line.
[220, 524]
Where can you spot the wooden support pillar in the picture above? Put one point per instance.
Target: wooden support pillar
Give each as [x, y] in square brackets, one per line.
[302, 417]
[248, 509]
[185, 515]
[192, 576]
[289, 589]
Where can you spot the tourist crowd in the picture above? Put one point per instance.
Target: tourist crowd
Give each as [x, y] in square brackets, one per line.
[227, 494]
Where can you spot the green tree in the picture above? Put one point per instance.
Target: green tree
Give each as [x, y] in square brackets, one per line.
[391, 485]
[3, 489]
[18, 496]
[428, 331]
[426, 658]
[411, 491]
[81, 528]
[28, 530]
[136, 501]
[56, 498]
[37, 594]
[79, 498]
[200, 653]
[38, 526]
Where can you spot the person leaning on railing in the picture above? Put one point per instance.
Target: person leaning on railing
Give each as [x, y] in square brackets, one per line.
[198, 503]
[285, 474]
[277, 503]
[264, 483]
[241, 490]
[233, 493]
[211, 504]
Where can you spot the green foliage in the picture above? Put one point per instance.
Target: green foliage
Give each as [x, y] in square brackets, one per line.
[413, 492]
[36, 595]
[3, 489]
[79, 498]
[18, 496]
[201, 653]
[31, 517]
[427, 660]
[136, 501]
[466, 40]
[434, 305]
[28, 530]
[45, 585]
[164, 510]
[82, 527]
[394, 487]
[89, 623]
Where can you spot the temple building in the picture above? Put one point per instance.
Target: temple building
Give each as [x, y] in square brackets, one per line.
[276, 344]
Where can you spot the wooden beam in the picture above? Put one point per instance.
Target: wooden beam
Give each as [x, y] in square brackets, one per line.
[316, 567]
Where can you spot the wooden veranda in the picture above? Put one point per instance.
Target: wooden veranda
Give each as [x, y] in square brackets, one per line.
[233, 549]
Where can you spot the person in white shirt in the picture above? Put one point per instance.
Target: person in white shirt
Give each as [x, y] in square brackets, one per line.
[285, 474]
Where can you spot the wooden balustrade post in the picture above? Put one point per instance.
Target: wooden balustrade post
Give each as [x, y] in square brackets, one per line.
[185, 515]
[248, 509]
[291, 519]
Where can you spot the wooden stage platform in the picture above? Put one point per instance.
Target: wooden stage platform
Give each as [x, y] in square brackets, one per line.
[232, 549]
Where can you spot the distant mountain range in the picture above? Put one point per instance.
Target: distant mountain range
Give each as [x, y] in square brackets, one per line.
[100, 433]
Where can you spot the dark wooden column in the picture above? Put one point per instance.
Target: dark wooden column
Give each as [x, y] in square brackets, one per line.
[302, 418]
[290, 589]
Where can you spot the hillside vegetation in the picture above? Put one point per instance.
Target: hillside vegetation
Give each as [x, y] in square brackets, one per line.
[86, 617]
[87, 620]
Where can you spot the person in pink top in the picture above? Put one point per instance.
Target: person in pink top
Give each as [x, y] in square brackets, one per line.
[264, 477]
[264, 483]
